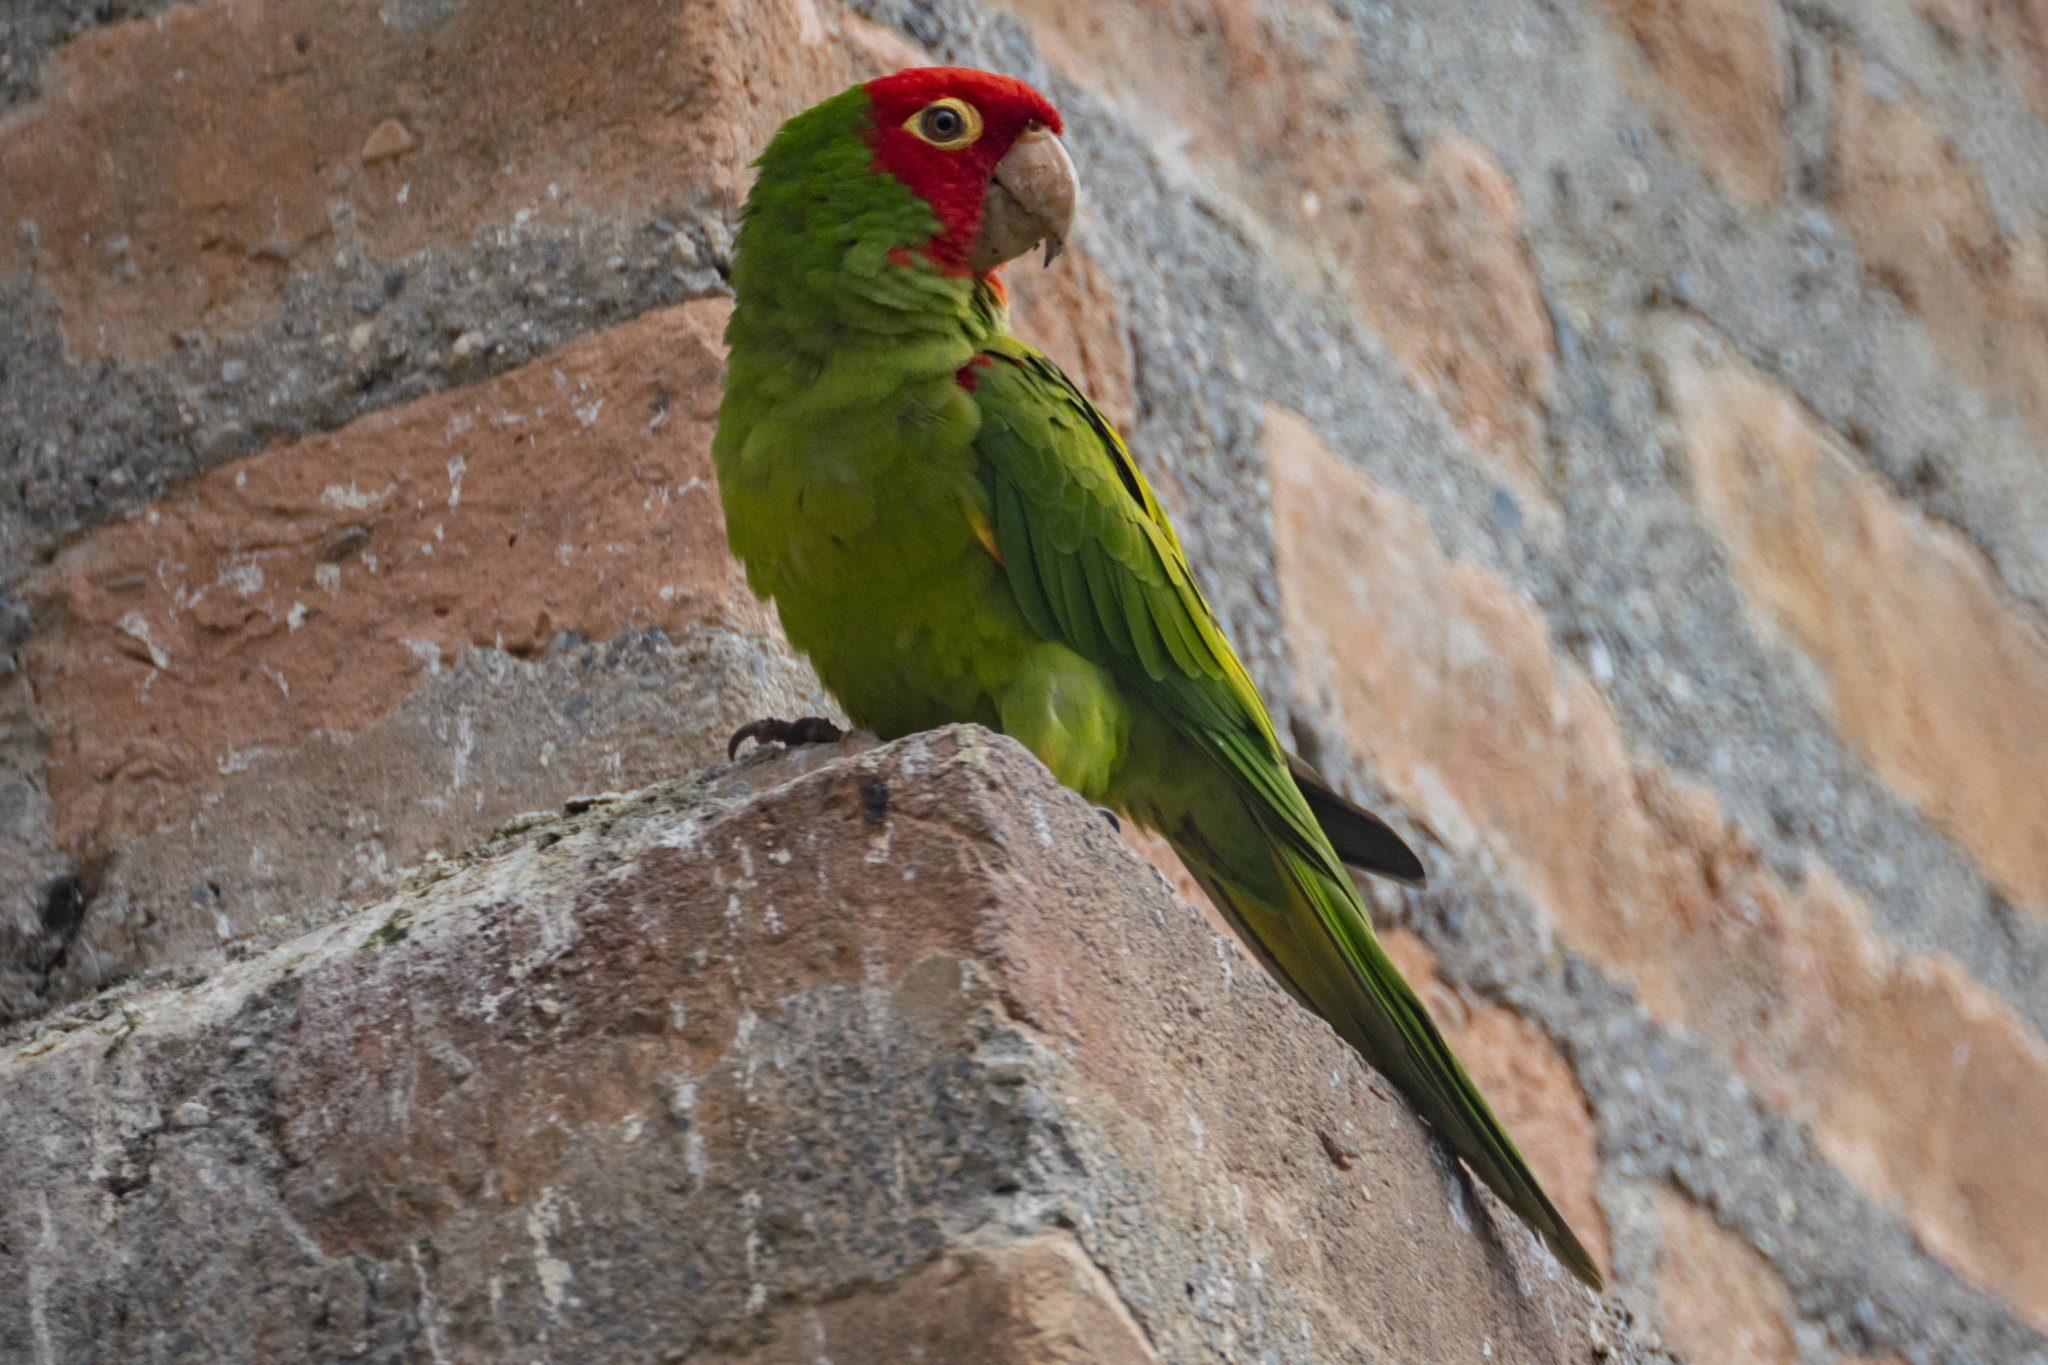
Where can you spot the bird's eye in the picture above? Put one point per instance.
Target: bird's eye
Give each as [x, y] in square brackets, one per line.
[948, 124]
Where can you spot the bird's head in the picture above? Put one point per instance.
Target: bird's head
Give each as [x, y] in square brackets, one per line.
[984, 151]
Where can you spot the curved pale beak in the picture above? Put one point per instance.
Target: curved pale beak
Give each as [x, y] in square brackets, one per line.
[1030, 199]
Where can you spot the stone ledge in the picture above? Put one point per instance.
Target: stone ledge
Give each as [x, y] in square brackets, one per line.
[833, 1051]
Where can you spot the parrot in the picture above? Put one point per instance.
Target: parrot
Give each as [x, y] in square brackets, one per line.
[953, 532]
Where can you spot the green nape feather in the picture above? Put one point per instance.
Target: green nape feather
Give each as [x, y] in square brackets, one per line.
[864, 482]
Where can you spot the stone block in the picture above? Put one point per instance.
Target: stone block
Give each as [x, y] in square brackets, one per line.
[862, 1053]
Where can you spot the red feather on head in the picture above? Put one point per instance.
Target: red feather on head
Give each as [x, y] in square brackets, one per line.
[952, 182]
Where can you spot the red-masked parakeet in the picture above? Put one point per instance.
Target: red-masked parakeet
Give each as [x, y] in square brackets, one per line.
[952, 532]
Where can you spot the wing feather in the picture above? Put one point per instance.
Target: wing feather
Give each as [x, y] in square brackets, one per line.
[1102, 591]
[1095, 563]
[1055, 470]
[1144, 631]
[1020, 557]
[1077, 614]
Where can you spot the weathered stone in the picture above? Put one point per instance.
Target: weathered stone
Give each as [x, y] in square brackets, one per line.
[293, 837]
[817, 1054]
[272, 690]
[1931, 232]
[2010, 35]
[1452, 687]
[1720, 65]
[1450, 234]
[386, 140]
[518, 113]
[1440, 260]
[1720, 1301]
[1929, 670]
[316, 585]
[1855, 1015]
[1007, 1300]
[1264, 97]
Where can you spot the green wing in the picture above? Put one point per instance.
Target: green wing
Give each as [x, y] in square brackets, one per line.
[1094, 563]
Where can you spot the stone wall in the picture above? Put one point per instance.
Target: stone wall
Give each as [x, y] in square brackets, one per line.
[1610, 431]
[863, 1056]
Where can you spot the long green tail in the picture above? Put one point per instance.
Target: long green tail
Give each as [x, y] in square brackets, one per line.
[1361, 993]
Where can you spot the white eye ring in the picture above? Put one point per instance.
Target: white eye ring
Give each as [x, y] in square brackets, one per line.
[948, 124]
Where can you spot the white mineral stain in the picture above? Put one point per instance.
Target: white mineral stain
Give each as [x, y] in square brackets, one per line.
[465, 745]
[244, 578]
[427, 653]
[810, 26]
[42, 1273]
[915, 757]
[558, 928]
[1225, 950]
[430, 1311]
[136, 625]
[543, 1220]
[350, 499]
[757, 1292]
[1456, 1200]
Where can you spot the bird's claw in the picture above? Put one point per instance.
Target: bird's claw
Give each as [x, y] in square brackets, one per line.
[809, 730]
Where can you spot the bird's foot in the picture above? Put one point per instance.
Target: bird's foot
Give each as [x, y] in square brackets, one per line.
[809, 730]
[1106, 813]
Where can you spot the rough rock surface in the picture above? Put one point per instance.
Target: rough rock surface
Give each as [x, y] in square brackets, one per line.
[1610, 430]
[857, 1055]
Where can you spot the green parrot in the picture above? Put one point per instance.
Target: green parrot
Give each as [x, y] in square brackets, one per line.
[952, 532]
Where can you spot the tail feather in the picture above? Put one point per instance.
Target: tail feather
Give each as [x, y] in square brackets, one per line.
[1361, 838]
[1322, 949]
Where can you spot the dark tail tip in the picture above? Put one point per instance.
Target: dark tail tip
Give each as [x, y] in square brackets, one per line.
[1362, 839]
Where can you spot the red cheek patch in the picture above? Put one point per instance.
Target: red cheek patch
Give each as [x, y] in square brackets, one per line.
[964, 376]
